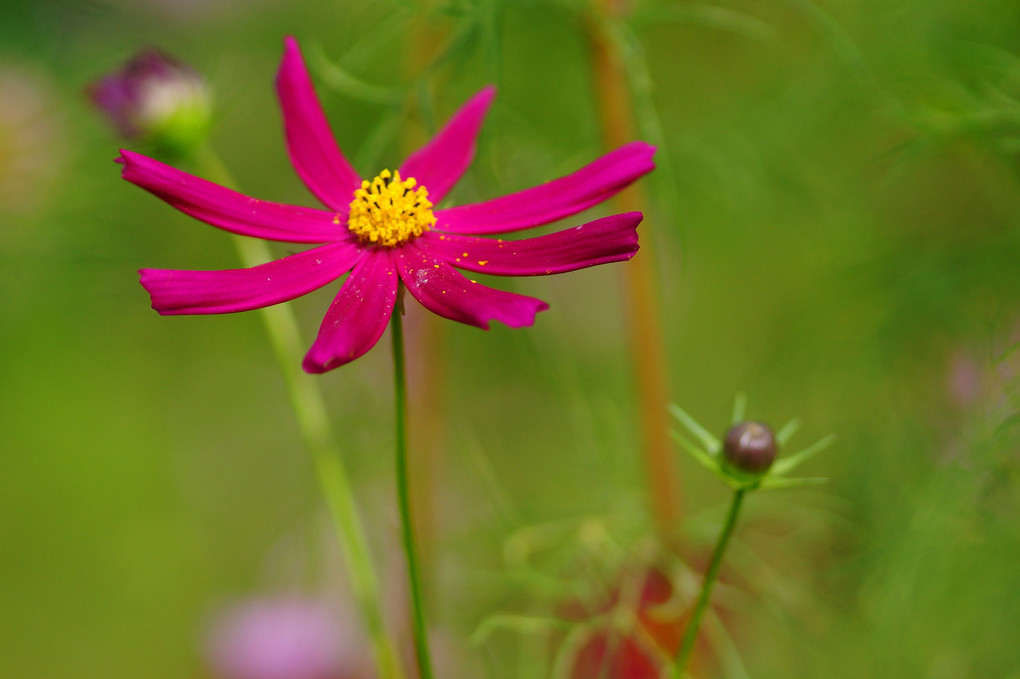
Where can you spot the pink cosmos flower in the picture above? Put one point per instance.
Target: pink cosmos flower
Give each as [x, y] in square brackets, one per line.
[386, 231]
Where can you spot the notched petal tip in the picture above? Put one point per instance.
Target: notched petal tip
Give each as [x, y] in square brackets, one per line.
[291, 51]
[152, 280]
[443, 160]
[484, 95]
[133, 165]
[125, 160]
[318, 361]
[650, 148]
[314, 367]
[151, 277]
[543, 204]
[519, 314]
[645, 153]
[444, 291]
[358, 315]
[640, 155]
[633, 219]
[527, 316]
[313, 150]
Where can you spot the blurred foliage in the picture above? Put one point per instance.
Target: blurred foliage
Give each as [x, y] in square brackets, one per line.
[837, 225]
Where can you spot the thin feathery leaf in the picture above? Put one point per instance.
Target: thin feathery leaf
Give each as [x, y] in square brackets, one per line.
[739, 409]
[462, 43]
[646, 114]
[653, 649]
[523, 624]
[361, 55]
[379, 138]
[725, 648]
[709, 16]
[1008, 423]
[570, 648]
[840, 41]
[788, 464]
[338, 78]
[779, 483]
[1005, 354]
[711, 443]
[700, 455]
[488, 480]
[492, 41]
[787, 431]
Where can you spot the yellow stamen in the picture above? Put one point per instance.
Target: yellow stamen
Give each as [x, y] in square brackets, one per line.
[390, 214]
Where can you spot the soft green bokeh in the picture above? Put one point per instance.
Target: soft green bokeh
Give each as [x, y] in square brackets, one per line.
[837, 212]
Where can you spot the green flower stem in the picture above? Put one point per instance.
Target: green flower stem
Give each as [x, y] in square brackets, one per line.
[310, 410]
[683, 658]
[421, 646]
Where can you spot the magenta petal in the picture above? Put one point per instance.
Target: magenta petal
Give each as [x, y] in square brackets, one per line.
[443, 291]
[357, 317]
[610, 239]
[439, 164]
[230, 210]
[553, 200]
[218, 292]
[313, 149]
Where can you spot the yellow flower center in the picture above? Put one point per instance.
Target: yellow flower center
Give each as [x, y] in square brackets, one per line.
[389, 214]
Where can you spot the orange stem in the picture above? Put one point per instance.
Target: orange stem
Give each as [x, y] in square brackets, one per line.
[645, 326]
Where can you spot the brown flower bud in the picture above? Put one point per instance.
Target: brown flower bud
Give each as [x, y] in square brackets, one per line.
[750, 448]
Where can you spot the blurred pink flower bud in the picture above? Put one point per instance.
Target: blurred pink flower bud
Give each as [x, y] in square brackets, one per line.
[157, 98]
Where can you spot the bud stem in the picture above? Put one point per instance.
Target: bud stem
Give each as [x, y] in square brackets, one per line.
[691, 631]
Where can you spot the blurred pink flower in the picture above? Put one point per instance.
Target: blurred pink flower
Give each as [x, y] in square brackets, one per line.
[385, 232]
[642, 652]
[285, 638]
[964, 379]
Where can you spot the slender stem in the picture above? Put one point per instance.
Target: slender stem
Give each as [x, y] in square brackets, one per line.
[691, 631]
[421, 646]
[313, 421]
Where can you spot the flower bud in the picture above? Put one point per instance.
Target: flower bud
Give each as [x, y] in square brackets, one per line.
[155, 98]
[750, 448]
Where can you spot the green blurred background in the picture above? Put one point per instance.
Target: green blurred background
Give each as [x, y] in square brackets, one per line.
[837, 225]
